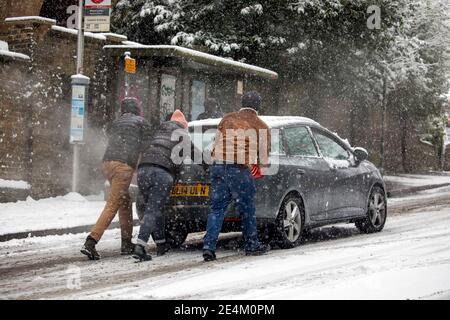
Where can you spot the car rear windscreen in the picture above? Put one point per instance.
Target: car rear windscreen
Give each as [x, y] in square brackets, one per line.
[203, 138]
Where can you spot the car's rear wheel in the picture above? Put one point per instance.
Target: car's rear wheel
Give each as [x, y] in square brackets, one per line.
[376, 212]
[290, 222]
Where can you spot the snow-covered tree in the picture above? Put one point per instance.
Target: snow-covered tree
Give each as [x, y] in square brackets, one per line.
[400, 65]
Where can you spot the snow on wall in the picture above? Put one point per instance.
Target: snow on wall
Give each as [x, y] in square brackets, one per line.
[4, 45]
[28, 18]
[14, 55]
[131, 43]
[14, 184]
[114, 35]
[75, 32]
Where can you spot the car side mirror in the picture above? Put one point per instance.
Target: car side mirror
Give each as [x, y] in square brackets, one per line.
[361, 154]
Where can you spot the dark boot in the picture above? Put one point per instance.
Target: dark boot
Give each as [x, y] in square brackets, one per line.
[140, 253]
[162, 248]
[262, 249]
[209, 255]
[127, 247]
[89, 249]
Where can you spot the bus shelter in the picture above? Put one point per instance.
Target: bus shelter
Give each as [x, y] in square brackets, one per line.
[172, 77]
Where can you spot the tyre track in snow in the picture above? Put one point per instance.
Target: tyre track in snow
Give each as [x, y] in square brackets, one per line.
[37, 268]
[39, 273]
[313, 265]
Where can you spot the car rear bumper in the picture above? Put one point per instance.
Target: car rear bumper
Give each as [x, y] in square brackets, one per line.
[195, 217]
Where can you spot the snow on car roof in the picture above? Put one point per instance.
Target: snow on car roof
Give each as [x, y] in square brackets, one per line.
[272, 121]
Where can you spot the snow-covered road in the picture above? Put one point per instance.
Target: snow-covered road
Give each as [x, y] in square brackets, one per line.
[409, 259]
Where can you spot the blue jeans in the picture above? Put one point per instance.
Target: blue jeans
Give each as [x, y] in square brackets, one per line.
[155, 184]
[231, 182]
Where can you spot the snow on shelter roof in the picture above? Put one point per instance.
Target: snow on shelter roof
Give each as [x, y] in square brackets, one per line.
[194, 55]
[271, 121]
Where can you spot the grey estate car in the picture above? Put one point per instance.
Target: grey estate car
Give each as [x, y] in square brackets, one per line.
[320, 180]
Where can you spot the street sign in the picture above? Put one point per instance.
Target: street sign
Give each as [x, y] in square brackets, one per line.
[130, 65]
[97, 15]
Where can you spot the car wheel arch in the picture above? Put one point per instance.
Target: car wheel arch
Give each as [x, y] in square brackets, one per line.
[375, 184]
[280, 236]
[294, 192]
[366, 225]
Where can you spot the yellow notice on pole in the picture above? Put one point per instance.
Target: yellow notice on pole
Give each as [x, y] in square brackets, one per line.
[130, 65]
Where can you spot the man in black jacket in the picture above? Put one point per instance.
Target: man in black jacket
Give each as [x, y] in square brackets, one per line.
[156, 174]
[125, 137]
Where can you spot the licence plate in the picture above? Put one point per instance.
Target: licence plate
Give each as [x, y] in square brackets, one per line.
[196, 190]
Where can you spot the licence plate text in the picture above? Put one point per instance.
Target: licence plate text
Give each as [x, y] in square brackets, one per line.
[198, 190]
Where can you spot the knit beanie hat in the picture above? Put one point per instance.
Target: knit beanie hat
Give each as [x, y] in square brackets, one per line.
[251, 99]
[179, 117]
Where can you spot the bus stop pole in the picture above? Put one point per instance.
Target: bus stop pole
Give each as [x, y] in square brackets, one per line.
[127, 80]
[80, 42]
[78, 109]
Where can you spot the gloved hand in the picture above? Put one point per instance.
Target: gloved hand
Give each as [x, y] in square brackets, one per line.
[256, 172]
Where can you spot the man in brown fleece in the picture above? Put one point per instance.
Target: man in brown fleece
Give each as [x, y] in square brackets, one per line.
[242, 140]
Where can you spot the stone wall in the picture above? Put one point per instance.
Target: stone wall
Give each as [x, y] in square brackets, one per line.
[45, 99]
[15, 142]
[14, 8]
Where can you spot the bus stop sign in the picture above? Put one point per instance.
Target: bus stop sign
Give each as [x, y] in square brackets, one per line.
[130, 65]
[97, 15]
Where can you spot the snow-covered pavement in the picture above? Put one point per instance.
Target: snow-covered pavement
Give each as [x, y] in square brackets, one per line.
[67, 211]
[410, 259]
[417, 180]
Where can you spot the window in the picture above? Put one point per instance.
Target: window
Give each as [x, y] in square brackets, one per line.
[330, 148]
[277, 147]
[299, 142]
[198, 98]
[203, 140]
